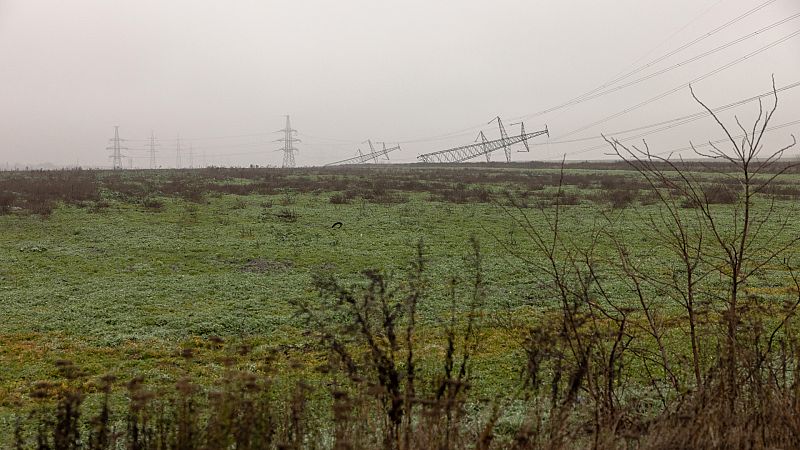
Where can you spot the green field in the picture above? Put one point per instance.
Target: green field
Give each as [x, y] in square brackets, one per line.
[118, 272]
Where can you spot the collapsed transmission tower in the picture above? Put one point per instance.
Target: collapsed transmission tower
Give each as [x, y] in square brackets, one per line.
[288, 144]
[483, 140]
[467, 152]
[363, 158]
[116, 150]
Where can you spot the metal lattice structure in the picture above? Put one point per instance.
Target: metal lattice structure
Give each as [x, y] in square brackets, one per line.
[288, 144]
[116, 150]
[364, 158]
[485, 147]
[153, 146]
[178, 153]
[482, 138]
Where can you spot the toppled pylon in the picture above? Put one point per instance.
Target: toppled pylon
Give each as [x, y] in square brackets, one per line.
[364, 158]
[485, 147]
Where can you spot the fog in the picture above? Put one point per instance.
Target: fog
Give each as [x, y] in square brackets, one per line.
[222, 75]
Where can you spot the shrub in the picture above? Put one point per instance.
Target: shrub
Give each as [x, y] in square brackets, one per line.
[339, 198]
[287, 215]
[153, 203]
[715, 194]
[6, 201]
[619, 198]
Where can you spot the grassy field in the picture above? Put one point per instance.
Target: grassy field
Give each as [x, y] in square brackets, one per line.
[118, 272]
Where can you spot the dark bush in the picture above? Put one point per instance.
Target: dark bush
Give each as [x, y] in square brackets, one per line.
[287, 215]
[42, 207]
[153, 203]
[339, 198]
[566, 198]
[6, 201]
[715, 194]
[619, 198]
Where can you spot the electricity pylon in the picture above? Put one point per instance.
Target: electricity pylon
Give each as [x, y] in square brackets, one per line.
[482, 138]
[116, 150]
[178, 153]
[467, 152]
[288, 144]
[363, 158]
[152, 150]
[503, 136]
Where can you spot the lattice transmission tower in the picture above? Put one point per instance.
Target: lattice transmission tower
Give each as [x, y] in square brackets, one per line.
[178, 153]
[363, 158]
[482, 138]
[288, 144]
[153, 144]
[116, 150]
[484, 147]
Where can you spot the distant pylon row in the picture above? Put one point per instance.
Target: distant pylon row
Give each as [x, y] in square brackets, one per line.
[116, 147]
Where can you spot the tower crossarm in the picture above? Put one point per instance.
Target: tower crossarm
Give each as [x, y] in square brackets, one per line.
[467, 152]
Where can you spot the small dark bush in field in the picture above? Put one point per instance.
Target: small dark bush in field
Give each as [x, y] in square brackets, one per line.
[194, 195]
[153, 203]
[99, 205]
[43, 207]
[720, 195]
[288, 199]
[239, 203]
[6, 201]
[620, 198]
[339, 198]
[460, 193]
[715, 194]
[267, 204]
[287, 215]
[784, 191]
[566, 198]
[386, 198]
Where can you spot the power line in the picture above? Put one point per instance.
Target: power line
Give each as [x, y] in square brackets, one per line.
[209, 138]
[611, 82]
[661, 58]
[720, 141]
[684, 85]
[674, 66]
[668, 124]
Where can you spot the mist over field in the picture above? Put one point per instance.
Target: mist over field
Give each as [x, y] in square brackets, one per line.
[423, 225]
[428, 75]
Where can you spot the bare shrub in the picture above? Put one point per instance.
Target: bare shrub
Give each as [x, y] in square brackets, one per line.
[339, 198]
[287, 215]
[619, 198]
[153, 203]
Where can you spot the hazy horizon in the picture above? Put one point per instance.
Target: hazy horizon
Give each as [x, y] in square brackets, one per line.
[427, 75]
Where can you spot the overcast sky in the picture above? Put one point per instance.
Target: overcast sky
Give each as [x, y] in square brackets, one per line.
[222, 74]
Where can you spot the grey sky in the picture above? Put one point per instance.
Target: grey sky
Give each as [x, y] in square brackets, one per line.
[351, 70]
